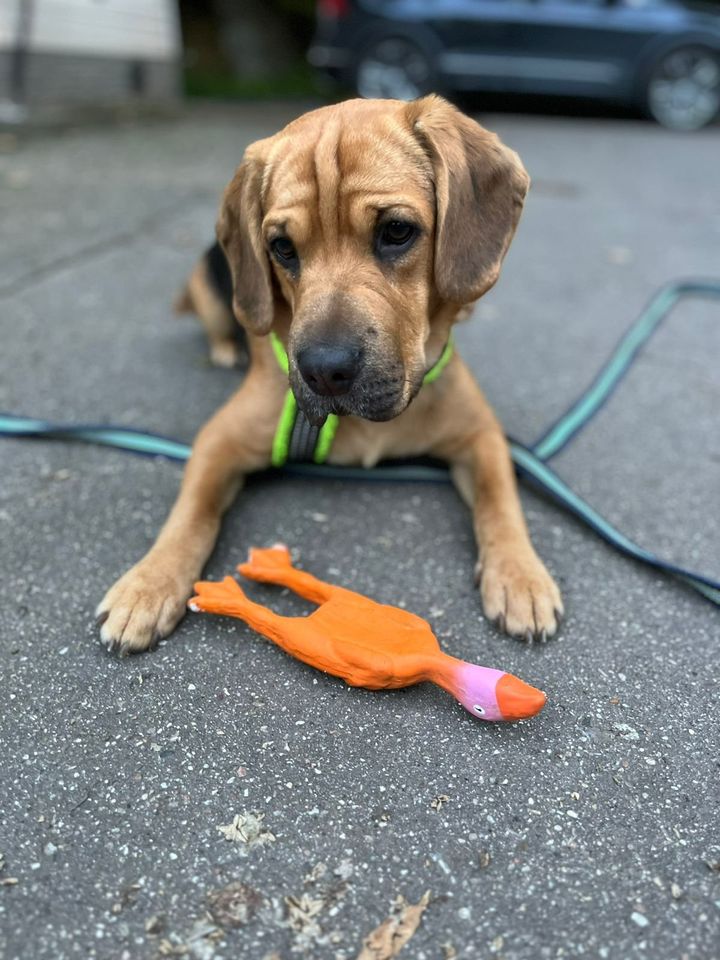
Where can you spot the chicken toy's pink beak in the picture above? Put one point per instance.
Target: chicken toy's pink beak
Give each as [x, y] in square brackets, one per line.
[517, 700]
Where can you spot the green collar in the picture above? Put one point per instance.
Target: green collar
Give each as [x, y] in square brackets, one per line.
[296, 438]
[442, 361]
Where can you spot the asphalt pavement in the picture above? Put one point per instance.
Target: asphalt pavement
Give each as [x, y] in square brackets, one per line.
[590, 831]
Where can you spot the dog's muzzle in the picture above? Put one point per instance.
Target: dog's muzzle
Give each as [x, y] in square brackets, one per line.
[356, 387]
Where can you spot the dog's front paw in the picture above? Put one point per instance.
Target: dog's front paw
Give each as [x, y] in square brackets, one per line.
[225, 353]
[142, 607]
[520, 596]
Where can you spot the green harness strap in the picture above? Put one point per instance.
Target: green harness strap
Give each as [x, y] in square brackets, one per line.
[295, 438]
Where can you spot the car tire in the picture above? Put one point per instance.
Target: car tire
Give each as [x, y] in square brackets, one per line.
[394, 68]
[683, 88]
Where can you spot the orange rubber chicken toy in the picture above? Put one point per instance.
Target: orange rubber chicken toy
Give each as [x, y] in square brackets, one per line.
[366, 643]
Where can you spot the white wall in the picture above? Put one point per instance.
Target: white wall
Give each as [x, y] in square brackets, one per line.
[135, 29]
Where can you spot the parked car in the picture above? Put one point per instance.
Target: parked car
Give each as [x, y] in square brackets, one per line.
[660, 55]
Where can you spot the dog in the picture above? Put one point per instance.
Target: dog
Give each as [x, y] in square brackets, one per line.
[359, 235]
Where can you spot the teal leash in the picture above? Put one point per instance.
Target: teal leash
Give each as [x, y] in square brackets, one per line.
[531, 462]
[121, 438]
[594, 397]
[532, 467]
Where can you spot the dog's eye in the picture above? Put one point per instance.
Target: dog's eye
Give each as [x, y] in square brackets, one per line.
[395, 237]
[283, 250]
[397, 232]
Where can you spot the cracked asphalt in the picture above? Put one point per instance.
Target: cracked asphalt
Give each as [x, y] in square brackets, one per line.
[591, 831]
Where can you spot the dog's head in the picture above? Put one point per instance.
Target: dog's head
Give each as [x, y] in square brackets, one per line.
[374, 221]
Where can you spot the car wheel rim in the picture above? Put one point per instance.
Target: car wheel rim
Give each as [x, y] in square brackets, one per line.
[393, 69]
[684, 92]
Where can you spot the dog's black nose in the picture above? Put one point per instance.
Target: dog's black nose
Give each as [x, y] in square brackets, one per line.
[329, 369]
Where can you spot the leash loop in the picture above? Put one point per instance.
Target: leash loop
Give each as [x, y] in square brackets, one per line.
[531, 461]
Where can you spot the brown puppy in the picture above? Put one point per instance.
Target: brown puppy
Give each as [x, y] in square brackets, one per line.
[358, 234]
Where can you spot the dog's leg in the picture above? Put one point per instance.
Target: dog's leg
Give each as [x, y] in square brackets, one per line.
[199, 297]
[517, 591]
[148, 601]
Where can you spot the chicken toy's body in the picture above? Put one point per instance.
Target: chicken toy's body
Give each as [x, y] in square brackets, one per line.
[366, 643]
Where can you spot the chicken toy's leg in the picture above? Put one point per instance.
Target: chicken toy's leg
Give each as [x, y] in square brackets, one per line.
[228, 598]
[273, 565]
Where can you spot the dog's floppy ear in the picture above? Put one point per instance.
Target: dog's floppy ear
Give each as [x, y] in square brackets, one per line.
[480, 187]
[240, 235]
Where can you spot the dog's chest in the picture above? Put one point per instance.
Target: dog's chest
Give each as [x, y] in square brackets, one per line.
[365, 443]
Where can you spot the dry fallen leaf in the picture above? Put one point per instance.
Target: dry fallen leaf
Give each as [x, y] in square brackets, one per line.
[301, 917]
[155, 925]
[439, 802]
[246, 828]
[317, 873]
[166, 948]
[6, 881]
[234, 905]
[301, 913]
[387, 940]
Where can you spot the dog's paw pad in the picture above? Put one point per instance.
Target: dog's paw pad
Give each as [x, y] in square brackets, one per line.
[140, 609]
[521, 598]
